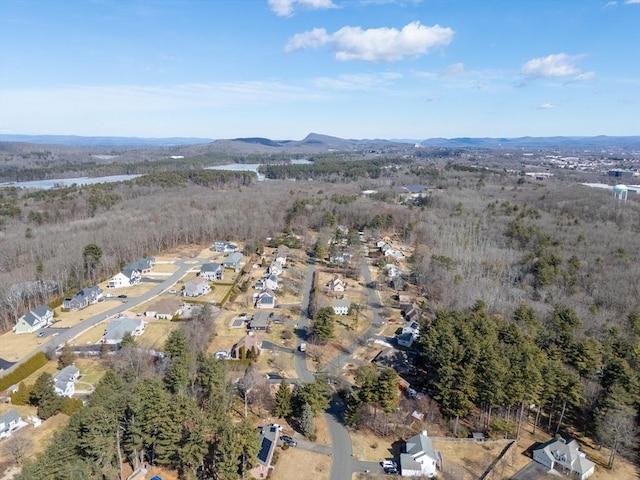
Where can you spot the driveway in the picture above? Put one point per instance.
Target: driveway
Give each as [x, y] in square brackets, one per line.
[533, 471]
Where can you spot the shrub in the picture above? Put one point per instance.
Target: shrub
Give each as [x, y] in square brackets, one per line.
[39, 360]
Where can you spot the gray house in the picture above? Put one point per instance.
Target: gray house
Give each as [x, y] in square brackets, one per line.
[211, 271]
[564, 457]
[34, 320]
[86, 296]
[268, 442]
[64, 381]
[116, 329]
[419, 457]
[9, 423]
[233, 261]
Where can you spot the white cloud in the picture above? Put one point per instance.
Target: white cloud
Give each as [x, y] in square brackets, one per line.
[630, 2]
[284, 8]
[375, 44]
[557, 65]
[610, 4]
[312, 39]
[546, 106]
[453, 69]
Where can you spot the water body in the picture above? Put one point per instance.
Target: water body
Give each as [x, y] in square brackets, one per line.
[81, 181]
[67, 182]
[252, 167]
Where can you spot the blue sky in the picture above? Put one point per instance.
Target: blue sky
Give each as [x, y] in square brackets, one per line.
[349, 68]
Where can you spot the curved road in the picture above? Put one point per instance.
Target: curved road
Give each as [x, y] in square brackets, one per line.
[343, 464]
[67, 334]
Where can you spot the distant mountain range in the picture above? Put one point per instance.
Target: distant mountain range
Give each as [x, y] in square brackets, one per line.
[79, 141]
[315, 142]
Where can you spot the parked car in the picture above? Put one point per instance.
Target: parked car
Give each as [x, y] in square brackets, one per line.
[286, 440]
[42, 334]
[109, 295]
[303, 347]
[122, 296]
[389, 467]
[173, 292]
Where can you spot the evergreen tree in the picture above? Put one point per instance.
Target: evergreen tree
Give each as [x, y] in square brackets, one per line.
[227, 452]
[307, 421]
[249, 443]
[67, 357]
[316, 394]
[43, 396]
[282, 406]
[324, 324]
[177, 375]
[128, 340]
[388, 389]
[91, 256]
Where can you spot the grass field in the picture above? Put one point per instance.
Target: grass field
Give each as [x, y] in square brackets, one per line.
[13, 347]
[295, 464]
[156, 333]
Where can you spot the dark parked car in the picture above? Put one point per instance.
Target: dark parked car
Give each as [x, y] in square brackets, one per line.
[122, 296]
[286, 440]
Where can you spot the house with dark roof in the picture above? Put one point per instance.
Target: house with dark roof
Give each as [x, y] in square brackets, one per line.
[64, 381]
[419, 457]
[34, 320]
[211, 271]
[260, 321]
[117, 328]
[82, 299]
[268, 442]
[271, 282]
[126, 278]
[414, 314]
[565, 457]
[266, 299]
[132, 273]
[10, 422]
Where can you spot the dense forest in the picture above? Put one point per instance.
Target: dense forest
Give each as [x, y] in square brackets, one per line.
[531, 288]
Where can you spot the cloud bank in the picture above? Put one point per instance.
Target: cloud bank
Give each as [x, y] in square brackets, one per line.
[375, 44]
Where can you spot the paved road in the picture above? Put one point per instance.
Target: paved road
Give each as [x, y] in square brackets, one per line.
[344, 464]
[68, 334]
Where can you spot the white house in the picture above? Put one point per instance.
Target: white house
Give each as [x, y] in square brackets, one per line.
[341, 306]
[211, 271]
[564, 457]
[276, 268]
[9, 423]
[34, 320]
[266, 299]
[64, 382]
[131, 273]
[271, 282]
[126, 278]
[117, 328]
[233, 260]
[419, 458]
[196, 287]
[336, 285]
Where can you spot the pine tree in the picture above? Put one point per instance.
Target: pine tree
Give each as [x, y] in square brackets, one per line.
[307, 421]
[388, 390]
[282, 406]
[44, 397]
[179, 362]
[324, 324]
[249, 443]
[67, 357]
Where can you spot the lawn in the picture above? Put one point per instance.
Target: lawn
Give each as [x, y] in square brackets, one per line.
[65, 319]
[14, 346]
[294, 462]
[156, 333]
